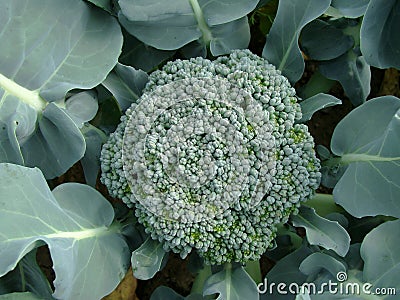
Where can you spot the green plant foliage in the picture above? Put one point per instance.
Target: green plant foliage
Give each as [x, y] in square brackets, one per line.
[74, 220]
[231, 283]
[184, 21]
[27, 276]
[316, 262]
[321, 40]
[36, 70]
[126, 84]
[148, 259]
[351, 9]
[366, 140]
[380, 251]
[316, 103]
[322, 232]
[380, 43]
[283, 50]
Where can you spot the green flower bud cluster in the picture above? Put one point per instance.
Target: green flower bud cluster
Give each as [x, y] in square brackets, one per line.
[211, 157]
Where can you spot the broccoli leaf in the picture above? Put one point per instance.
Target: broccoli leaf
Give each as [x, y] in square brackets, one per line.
[315, 103]
[172, 26]
[380, 251]
[82, 107]
[380, 41]
[49, 48]
[20, 296]
[321, 40]
[281, 48]
[353, 73]
[322, 232]
[141, 56]
[74, 220]
[351, 9]
[94, 139]
[27, 276]
[367, 142]
[126, 84]
[317, 262]
[231, 283]
[165, 293]
[148, 259]
[286, 271]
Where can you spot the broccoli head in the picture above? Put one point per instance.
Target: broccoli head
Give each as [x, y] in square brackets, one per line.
[211, 157]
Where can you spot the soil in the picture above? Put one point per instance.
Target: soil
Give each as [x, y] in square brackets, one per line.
[176, 274]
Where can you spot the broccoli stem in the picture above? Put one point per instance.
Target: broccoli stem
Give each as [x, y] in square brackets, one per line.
[347, 159]
[200, 279]
[253, 269]
[205, 30]
[324, 204]
[29, 97]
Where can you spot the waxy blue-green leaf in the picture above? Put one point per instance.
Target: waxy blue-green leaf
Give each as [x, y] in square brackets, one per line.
[321, 40]
[27, 276]
[17, 123]
[141, 56]
[351, 9]
[56, 144]
[46, 49]
[172, 26]
[322, 232]
[166, 293]
[107, 5]
[353, 73]
[380, 251]
[316, 103]
[286, 271]
[367, 141]
[380, 41]
[232, 283]
[148, 259]
[20, 296]
[74, 220]
[94, 139]
[126, 84]
[82, 107]
[317, 262]
[281, 48]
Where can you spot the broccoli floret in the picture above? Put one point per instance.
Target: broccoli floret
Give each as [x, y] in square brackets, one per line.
[211, 157]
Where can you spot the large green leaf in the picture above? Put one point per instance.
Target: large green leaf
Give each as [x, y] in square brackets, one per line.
[148, 259]
[380, 41]
[281, 48]
[322, 232]
[319, 262]
[141, 56]
[367, 141]
[170, 27]
[353, 73]
[27, 276]
[286, 271]
[232, 283]
[380, 251]
[126, 84]
[321, 40]
[89, 255]
[315, 103]
[351, 9]
[94, 139]
[46, 49]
